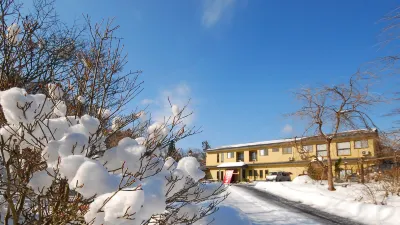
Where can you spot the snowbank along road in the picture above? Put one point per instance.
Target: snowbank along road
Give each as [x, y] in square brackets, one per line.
[264, 208]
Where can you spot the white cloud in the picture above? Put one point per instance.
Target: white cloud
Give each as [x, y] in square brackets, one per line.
[147, 101]
[179, 96]
[287, 129]
[215, 10]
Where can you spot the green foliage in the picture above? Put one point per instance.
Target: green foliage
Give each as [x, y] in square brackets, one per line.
[338, 163]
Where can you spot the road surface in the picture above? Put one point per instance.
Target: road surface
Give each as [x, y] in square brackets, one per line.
[264, 208]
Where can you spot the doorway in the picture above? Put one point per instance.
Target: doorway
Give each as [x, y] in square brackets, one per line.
[235, 176]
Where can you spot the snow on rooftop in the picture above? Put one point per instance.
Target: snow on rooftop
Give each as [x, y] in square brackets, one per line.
[231, 164]
[255, 143]
[281, 140]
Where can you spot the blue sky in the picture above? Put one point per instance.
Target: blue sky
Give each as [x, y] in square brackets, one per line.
[240, 61]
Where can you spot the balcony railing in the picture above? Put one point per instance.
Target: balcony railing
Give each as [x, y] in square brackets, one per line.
[240, 159]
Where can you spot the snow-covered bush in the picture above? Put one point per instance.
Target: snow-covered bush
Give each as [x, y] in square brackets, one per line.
[305, 179]
[57, 164]
[130, 181]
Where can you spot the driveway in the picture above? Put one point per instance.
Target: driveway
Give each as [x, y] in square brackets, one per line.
[264, 208]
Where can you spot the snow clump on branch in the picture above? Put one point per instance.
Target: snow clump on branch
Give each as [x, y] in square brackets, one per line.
[55, 91]
[12, 33]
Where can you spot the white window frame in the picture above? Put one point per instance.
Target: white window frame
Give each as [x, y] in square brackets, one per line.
[344, 150]
[286, 148]
[306, 148]
[366, 144]
[230, 155]
[319, 150]
[263, 152]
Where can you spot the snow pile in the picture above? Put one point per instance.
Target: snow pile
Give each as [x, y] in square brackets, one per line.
[302, 180]
[104, 113]
[227, 215]
[157, 131]
[69, 141]
[14, 98]
[60, 108]
[116, 123]
[81, 99]
[41, 181]
[341, 202]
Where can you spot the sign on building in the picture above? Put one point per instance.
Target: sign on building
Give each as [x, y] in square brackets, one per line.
[228, 177]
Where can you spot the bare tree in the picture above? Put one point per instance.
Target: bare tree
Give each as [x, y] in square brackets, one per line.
[36, 48]
[332, 109]
[76, 80]
[205, 145]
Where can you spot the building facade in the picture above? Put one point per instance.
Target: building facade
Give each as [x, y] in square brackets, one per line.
[253, 161]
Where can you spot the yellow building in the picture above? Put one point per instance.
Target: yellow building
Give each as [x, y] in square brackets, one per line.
[253, 161]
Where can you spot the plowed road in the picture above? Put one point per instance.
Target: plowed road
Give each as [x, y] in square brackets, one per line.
[264, 208]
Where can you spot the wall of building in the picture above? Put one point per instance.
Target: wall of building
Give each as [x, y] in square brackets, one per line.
[295, 169]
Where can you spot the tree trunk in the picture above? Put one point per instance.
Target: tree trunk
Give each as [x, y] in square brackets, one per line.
[362, 171]
[330, 172]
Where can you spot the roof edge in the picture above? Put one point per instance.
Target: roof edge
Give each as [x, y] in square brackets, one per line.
[287, 140]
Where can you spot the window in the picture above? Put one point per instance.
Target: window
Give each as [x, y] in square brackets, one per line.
[250, 173]
[253, 156]
[263, 152]
[243, 173]
[240, 157]
[307, 148]
[261, 174]
[287, 150]
[255, 173]
[344, 173]
[266, 172]
[222, 157]
[218, 175]
[222, 175]
[217, 157]
[343, 148]
[275, 150]
[230, 155]
[321, 150]
[361, 144]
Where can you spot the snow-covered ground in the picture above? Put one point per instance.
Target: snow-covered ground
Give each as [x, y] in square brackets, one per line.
[350, 202]
[259, 211]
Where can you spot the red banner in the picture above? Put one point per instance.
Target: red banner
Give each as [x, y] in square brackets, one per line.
[228, 176]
